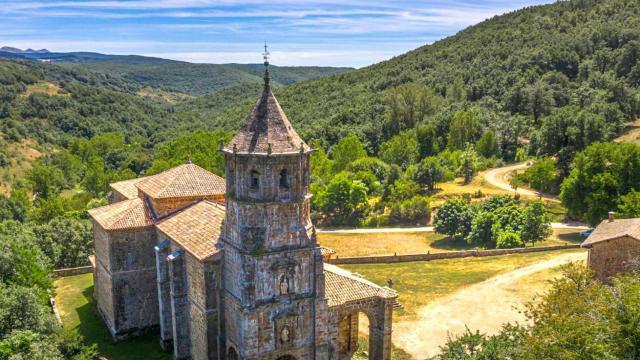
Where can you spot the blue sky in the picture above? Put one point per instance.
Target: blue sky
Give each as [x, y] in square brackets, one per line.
[317, 32]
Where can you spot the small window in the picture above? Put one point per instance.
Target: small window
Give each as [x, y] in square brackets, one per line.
[284, 179]
[255, 180]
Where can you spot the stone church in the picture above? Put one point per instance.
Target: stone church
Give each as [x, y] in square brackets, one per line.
[232, 269]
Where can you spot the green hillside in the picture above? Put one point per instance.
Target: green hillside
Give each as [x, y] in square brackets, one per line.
[570, 65]
[199, 79]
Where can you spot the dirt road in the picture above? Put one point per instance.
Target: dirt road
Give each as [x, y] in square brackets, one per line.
[484, 306]
[498, 177]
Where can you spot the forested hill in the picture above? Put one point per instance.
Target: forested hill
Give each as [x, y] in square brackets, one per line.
[171, 75]
[199, 79]
[556, 76]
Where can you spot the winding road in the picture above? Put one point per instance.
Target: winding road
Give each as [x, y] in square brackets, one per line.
[498, 178]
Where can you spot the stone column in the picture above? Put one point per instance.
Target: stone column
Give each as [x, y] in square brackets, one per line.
[380, 331]
[164, 294]
[179, 305]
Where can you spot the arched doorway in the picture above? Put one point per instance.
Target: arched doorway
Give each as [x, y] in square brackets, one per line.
[232, 354]
[354, 336]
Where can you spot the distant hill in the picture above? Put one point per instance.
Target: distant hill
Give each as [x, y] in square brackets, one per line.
[171, 75]
[518, 71]
[200, 79]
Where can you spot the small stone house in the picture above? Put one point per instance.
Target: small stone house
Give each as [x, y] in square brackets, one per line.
[232, 269]
[612, 246]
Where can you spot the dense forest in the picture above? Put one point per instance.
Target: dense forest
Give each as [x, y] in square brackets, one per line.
[543, 82]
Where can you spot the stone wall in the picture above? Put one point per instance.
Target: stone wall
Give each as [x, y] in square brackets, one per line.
[125, 280]
[385, 259]
[73, 271]
[203, 279]
[162, 207]
[611, 257]
[115, 196]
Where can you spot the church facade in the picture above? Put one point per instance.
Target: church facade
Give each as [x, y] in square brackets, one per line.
[231, 268]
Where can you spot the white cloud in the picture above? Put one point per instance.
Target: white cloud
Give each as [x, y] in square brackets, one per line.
[349, 58]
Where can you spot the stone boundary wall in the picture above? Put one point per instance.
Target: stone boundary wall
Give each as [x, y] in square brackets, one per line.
[73, 271]
[386, 259]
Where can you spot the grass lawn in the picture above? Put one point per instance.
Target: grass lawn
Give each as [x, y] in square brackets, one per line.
[388, 243]
[563, 236]
[457, 188]
[417, 242]
[77, 310]
[418, 283]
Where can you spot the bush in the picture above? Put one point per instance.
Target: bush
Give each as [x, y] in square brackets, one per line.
[414, 211]
[454, 218]
[509, 240]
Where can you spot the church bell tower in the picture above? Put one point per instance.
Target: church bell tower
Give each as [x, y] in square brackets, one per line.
[273, 294]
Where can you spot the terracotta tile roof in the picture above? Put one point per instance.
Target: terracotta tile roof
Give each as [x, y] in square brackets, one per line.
[266, 124]
[123, 215]
[326, 251]
[608, 230]
[127, 187]
[196, 228]
[342, 287]
[188, 180]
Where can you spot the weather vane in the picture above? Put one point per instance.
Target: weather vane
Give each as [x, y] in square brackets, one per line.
[265, 55]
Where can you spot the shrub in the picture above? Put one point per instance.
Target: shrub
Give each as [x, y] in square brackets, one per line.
[509, 240]
[414, 211]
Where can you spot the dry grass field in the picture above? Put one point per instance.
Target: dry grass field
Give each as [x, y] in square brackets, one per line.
[44, 87]
[388, 243]
[631, 133]
[416, 242]
[419, 283]
[20, 157]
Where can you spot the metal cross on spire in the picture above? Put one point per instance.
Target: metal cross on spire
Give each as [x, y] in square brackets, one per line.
[265, 54]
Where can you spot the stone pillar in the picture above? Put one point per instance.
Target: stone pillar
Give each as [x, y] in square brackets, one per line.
[380, 331]
[164, 294]
[179, 305]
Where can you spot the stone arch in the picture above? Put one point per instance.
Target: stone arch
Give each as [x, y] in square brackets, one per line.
[346, 316]
[349, 329]
[285, 181]
[254, 180]
[232, 354]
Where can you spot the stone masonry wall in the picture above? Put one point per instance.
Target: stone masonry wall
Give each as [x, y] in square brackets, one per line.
[126, 280]
[387, 259]
[203, 291]
[612, 257]
[162, 207]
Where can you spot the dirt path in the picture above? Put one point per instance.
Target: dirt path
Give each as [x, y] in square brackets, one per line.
[484, 306]
[498, 178]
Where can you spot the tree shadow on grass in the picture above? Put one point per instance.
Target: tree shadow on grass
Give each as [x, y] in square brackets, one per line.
[573, 238]
[450, 244]
[95, 331]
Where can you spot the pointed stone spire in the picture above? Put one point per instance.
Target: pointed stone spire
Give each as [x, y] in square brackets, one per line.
[267, 130]
[265, 57]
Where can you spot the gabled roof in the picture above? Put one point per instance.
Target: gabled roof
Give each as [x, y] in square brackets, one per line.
[608, 230]
[123, 215]
[326, 251]
[342, 286]
[196, 228]
[127, 188]
[188, 180]
[266, 130]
